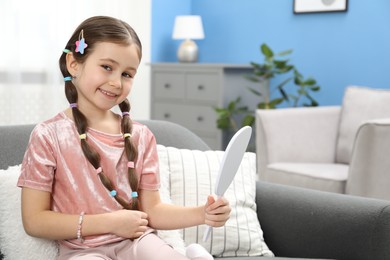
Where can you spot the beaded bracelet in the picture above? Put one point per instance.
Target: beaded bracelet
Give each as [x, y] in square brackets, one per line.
[79, 236]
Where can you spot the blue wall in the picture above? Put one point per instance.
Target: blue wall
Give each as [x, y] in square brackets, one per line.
[337, 49]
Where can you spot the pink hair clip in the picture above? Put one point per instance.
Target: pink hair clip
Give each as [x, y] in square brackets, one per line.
[125, 114]
[99, 170]
[73, 105]
[81, 45]
[130, 164]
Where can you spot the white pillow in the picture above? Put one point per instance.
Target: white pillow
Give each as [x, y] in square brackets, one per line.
[14, 242]
[192, 175]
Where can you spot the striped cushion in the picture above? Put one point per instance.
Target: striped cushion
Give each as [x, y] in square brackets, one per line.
[192, 175]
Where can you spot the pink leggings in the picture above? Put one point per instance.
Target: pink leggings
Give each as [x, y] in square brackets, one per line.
[148, 247]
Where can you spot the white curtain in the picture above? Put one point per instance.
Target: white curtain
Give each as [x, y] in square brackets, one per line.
[33, 35]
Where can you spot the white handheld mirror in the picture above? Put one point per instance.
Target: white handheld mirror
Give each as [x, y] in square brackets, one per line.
[231, 161]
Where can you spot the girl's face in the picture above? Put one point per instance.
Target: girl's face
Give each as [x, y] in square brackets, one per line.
[106, 77]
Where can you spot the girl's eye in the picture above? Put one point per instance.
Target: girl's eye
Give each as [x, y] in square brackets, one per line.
[106, 67]
[127, 75]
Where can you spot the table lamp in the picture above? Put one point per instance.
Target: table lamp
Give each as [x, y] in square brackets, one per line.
[189, 28]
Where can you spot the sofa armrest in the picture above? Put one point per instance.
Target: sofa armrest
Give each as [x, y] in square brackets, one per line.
[296, 135]
[369, 167]
[307, 223]
[13, 143]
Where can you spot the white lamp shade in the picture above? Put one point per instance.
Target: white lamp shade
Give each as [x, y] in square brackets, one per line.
[188, 27]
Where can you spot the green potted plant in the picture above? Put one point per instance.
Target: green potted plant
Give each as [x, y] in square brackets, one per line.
[273, 65]
[235, 115]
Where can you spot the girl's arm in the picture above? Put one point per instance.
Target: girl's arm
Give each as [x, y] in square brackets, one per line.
[40, 221]
[165, 216]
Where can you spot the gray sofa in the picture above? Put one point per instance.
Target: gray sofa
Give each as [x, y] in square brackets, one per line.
[297, 223]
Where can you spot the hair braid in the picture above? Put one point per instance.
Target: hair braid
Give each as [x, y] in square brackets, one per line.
[130, 149]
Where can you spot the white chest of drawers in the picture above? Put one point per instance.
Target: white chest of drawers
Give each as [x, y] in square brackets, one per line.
[187, 93]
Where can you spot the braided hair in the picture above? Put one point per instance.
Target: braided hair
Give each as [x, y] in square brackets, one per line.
[95, 30]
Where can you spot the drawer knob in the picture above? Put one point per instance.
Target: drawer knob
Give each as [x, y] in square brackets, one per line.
[200, 118]
[167, 85]
[167, 115]
[200, 87]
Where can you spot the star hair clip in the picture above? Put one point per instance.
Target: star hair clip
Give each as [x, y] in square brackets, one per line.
[81, 45]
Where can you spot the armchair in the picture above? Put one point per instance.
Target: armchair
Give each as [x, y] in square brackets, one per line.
[339, 149]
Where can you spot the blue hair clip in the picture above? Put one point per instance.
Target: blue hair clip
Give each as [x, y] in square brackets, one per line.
[113, 193]
[69, 78]
[134, 194]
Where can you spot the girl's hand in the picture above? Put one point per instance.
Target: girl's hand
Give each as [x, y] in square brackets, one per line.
[129, 223]
[217, 212]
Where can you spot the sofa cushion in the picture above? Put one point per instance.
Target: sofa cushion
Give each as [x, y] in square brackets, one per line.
[360, 104]
[319, 176]
[192, 175]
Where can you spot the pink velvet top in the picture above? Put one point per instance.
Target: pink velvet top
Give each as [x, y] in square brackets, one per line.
[54, 162]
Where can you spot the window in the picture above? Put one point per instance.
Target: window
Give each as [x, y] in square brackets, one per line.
[34, 34]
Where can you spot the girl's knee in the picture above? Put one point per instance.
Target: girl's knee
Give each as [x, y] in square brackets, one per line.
[152, 247]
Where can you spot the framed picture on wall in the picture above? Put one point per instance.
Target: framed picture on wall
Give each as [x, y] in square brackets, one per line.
[319, 6]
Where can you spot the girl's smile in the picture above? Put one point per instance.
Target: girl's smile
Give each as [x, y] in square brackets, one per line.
[108, 94]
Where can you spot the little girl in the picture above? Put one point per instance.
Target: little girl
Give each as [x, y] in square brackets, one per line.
[90, 177]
